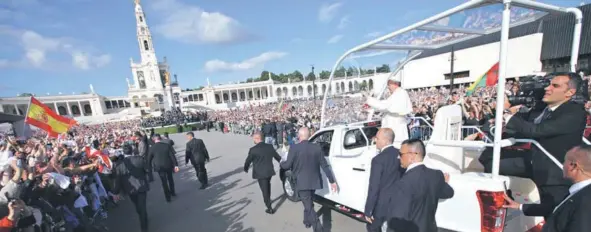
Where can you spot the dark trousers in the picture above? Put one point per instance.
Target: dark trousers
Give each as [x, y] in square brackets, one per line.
[139, 201]
[265, 185]
[310, 216]
[200, 171]
[167, 183]
[376, 226]
[518, 163]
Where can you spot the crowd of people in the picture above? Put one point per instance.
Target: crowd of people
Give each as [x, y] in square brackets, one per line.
[65, 181]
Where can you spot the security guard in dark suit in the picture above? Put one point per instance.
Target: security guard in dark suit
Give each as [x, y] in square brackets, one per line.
[385, 172]
[162, 157]
[196, 152]
[261, 157]
[305, 160]
[130, 179]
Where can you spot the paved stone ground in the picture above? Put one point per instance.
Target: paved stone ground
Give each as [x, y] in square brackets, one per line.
[233, 202]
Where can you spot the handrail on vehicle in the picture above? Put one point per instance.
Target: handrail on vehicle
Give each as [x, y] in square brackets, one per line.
[504, 143]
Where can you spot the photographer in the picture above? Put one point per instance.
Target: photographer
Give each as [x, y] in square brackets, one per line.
[558, 128]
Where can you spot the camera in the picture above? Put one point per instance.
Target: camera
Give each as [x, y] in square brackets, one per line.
[532, 90]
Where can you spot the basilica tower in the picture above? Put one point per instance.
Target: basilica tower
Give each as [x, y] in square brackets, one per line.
[149, 75]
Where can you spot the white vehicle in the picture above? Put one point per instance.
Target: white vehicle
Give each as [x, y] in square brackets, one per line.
[476, 205]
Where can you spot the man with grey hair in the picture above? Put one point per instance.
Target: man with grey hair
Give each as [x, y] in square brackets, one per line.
[385, 172]
[573, 212]
[305, 160]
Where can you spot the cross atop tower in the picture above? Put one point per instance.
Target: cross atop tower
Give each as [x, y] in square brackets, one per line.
[137, 2]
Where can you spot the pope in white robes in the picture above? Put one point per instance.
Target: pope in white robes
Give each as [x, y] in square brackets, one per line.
[395, 110]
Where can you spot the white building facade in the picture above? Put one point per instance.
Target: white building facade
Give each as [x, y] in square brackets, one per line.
[153, 90]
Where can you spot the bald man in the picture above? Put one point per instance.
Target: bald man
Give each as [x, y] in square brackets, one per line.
[573, 214]
[261, 157]
[385, 172]
[305, 160]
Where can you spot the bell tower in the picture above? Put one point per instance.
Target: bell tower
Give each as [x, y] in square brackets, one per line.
[146, 73]
[148, 55]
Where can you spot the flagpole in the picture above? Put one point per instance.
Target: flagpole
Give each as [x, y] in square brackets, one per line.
[27, 114]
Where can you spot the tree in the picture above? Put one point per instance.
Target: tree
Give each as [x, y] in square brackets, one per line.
[324, 75]
[384, 69]
[350, 72]
[25, 95]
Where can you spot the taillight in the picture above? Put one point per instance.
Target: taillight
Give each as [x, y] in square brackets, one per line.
[492, 213]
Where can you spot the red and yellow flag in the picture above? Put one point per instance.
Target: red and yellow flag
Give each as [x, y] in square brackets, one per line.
[41, 116]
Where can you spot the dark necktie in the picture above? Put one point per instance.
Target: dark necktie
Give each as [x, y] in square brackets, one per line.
[545, 115]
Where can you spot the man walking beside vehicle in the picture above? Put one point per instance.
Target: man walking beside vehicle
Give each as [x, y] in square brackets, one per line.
[261, 157]
[163, 159]
[385, 172]
[197, 154]
[305, 160]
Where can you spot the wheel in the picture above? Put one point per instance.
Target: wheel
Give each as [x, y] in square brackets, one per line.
[289, 188]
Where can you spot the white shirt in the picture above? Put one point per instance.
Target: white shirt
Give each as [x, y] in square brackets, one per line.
[413, 165]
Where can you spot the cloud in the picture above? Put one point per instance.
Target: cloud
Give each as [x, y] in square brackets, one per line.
[191, 24]
[254, 62]
[42, 52]
[344, 22]
[335, 39]
[328, 11]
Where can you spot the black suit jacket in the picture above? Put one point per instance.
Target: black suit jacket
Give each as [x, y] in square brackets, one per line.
[573, 215]
[261, 156]
[130, 175]
[305, 160]
[385, 172]
[196, 151]
[560, 132]
[414, 204]
[557, 134]
[162, 157]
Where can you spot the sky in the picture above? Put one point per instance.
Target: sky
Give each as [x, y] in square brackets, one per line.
[48, 47]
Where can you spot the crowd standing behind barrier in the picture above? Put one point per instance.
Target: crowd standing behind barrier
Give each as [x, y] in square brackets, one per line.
[64, 183]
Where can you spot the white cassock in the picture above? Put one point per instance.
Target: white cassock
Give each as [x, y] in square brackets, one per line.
[395, 110]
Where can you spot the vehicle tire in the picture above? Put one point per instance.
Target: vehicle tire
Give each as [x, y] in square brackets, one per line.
[289, 188]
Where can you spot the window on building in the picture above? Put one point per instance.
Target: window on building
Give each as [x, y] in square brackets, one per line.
[127, 104]
[146, 45]
[141, 19]
[457, 75]
[108, 104]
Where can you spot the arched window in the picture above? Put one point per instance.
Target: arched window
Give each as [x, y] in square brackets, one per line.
[146, 45]
[141, 19]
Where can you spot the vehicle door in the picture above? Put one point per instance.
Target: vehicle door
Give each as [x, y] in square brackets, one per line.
[325, 140]
[354, 163]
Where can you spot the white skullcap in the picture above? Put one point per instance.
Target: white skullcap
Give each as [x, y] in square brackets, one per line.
[395, 78]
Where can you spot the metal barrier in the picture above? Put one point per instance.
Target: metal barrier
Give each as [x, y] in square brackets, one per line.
[425, 129]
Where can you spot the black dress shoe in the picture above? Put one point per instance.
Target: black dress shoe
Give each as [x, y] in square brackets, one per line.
[270, 211]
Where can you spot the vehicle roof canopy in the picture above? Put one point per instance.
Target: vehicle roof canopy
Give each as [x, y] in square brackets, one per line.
[465, 22]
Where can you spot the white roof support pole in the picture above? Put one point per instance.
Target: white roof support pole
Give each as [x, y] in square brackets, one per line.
[574, 55]
[501, 86]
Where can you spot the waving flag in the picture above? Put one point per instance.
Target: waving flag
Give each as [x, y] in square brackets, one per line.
[490, 78]
[43, 117]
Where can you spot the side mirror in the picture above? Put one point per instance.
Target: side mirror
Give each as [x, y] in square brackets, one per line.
[350, 140]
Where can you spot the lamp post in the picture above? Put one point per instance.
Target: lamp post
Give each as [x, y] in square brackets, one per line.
[313, 84]
[452, 58]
